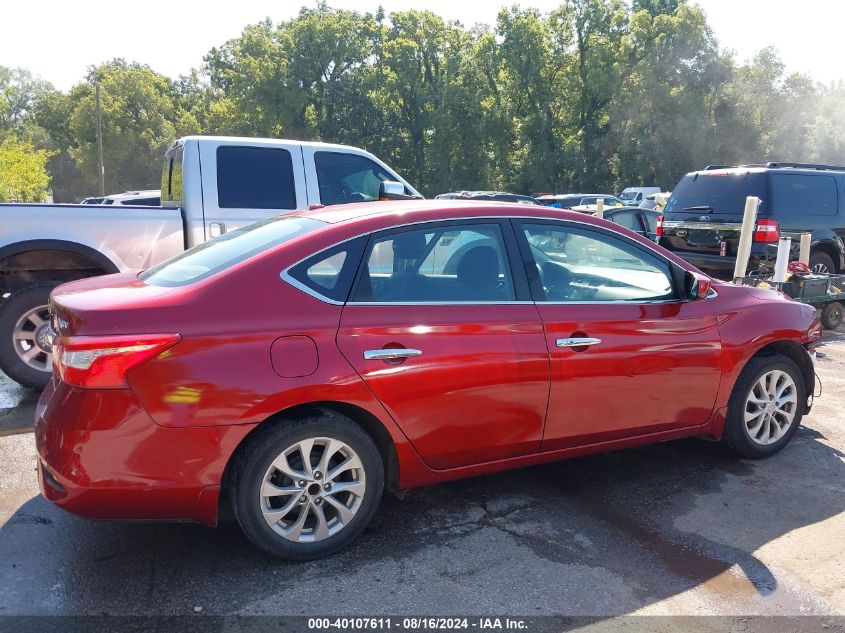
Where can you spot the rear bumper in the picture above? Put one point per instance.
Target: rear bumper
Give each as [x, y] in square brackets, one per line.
[101, 456]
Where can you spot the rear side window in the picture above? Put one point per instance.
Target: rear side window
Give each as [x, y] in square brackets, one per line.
[717, 192]
[803, 194]
[445, 264]
[227, 250]
[628, 219]
[254, 178]
[171, 177]
[329, 273]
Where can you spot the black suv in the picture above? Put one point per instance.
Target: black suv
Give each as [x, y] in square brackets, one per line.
[702, 220]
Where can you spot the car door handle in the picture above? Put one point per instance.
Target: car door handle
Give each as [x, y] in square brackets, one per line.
[577, 342]
[391, 353]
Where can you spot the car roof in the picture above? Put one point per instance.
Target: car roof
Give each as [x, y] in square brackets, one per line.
[401, 212]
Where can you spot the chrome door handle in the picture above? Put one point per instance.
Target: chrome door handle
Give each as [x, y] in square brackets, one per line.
[577, 342]
[391, 353]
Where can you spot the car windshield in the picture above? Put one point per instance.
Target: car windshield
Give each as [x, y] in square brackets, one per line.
[227, 250]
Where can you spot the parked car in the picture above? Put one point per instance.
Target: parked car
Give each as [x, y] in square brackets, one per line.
[570, 200]
[637, 219]
[703, 218]
[499, 196]
[303, 364]
[92, 200]
[635, 195]
[210, 185]
[149, 198]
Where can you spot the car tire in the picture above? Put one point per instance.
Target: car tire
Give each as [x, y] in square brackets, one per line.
[758, 385]
[22, 315]
[822, 263]
[831, 315]
[316, 512]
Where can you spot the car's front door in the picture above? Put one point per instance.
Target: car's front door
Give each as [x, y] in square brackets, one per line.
[441, 327]
[628, 356]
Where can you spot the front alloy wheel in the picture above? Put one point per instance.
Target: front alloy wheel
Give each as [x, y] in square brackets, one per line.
[765, 407]
[770, 407]
[304, 488]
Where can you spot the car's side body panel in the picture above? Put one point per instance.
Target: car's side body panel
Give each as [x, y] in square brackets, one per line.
[473, 403]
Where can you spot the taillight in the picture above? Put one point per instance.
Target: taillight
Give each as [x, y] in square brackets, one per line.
[659, 230]
[766, 231]
[101, 362]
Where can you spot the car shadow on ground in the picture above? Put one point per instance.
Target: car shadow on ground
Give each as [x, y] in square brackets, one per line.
[600, 535]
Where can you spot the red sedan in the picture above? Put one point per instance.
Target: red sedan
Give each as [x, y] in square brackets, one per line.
[304, 364]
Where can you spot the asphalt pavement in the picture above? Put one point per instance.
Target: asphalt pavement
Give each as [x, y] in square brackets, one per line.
[676, 528]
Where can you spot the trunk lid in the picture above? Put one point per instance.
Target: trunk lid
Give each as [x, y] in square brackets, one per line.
[110, 304]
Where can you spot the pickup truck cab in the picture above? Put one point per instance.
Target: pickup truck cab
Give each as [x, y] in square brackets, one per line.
[209, 185]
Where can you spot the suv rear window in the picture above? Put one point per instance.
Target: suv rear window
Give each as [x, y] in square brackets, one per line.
[225, 251]
[718, 192]
[803, 194]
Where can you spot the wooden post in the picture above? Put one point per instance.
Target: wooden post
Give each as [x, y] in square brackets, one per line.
[804, 252]
[600, 208]
[743, 251]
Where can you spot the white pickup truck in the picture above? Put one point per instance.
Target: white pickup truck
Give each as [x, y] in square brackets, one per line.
[209, 185]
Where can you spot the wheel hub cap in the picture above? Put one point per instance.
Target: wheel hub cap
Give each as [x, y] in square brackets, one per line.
[312, 490]
[770, 407]
[31, 339]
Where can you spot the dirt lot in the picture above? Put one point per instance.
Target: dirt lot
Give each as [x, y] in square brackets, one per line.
[677, 528]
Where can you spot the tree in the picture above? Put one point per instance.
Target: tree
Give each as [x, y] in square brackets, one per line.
[141, 116]
[23, 172]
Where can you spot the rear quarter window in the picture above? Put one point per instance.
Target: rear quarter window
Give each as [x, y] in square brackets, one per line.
[803, 194]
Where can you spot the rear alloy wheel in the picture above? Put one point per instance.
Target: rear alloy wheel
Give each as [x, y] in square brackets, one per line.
[26, 355]
[821, 264]
[305, 488]
[766, 406]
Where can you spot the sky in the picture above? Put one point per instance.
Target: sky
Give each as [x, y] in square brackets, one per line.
[58, 40]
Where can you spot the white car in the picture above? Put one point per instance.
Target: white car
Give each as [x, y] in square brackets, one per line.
[635, 195]
[147, 198]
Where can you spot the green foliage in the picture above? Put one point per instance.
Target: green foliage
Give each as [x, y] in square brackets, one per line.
[23, 172]
[595, 95]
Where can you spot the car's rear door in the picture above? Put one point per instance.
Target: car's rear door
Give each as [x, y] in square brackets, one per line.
[628, 356]
[441, 327]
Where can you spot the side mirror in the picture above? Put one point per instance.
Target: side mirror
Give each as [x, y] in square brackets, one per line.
[393, 190]
[696, 285]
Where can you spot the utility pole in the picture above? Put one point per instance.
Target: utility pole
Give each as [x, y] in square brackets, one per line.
[100, 139]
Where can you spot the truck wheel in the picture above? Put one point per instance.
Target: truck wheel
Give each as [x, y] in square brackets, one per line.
[25, 353]
[822, 264]
[832, 315]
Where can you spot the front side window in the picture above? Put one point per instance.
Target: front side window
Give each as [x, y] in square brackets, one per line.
[437, 265]
[581, 265]
[345, 178]
[803, 194]
[254, 178]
